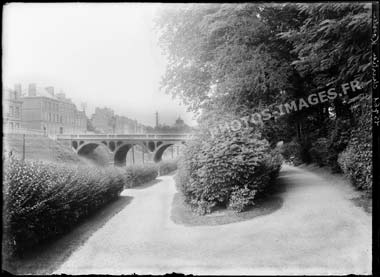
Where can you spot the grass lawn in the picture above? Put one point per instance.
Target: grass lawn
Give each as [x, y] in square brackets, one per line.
[39, 148]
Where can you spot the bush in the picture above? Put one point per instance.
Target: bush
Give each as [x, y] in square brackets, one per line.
[291, 152]
[45, 200]
[356, 160]
[139, 174]
[241, 198]
[166, 167]
[338, 140]
[228, 170]
[356, 163]
[319, 152]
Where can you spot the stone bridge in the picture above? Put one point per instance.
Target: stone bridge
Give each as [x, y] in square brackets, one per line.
[119, 145]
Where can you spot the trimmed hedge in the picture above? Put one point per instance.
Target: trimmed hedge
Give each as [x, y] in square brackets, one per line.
[137, 175]
[229, 170]
[166, 167]
[45, 200]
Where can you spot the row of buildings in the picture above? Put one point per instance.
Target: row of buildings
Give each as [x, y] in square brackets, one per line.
[42, 110]
[104, 120]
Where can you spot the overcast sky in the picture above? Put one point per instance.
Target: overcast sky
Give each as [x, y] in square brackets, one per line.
[101, 54]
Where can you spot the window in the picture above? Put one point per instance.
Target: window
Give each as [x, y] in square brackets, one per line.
[17, 126]
[60, 119]
[11, 125]
[11, 110]
[49, 116]
[17, 112]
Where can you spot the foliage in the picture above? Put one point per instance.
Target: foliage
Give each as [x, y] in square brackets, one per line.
[227, 170]
[237, 59]
[90, 127]
[241, 198]
[166, 167]
[356, 160]
[338, 141]
[137, 175]
[217, 57]
[291, 151]
[45, 200]
[334, 38]
[319, 151]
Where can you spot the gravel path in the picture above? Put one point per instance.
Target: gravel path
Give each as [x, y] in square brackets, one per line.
[318, 230]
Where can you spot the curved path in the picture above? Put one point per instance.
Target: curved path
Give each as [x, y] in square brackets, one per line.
[318, 230]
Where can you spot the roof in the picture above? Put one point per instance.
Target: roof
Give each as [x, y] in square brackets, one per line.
[42, 92]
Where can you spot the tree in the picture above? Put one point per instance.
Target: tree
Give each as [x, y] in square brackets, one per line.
[230, 60]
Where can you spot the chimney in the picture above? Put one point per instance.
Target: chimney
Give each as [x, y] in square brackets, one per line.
[61, 96]
[17, 91]
[32, 91]
[50, 90]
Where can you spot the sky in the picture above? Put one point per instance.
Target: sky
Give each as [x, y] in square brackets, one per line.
[103, 54]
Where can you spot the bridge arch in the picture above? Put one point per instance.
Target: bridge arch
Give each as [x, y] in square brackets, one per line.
[90, 151]
[86, 148]
[120, 157]
[160, 151]
[118, 145]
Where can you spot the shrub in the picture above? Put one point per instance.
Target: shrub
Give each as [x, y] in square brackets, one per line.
[338, 140]
[139, 174]
[241, 198]
[228, 170]
[166, 167]
[356, 160]
[356, 163]
[319, 152]
[45, 200]
[291, 152]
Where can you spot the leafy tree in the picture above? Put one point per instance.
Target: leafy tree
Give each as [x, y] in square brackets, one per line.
[231, 60]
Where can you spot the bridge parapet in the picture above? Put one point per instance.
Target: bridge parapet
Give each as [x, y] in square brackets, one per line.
[126, 136]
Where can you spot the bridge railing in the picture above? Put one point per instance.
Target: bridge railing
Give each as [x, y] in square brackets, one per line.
[126, 136]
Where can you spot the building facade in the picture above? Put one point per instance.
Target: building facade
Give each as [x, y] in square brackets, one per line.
[42, 110]
[12, 109]
[125, 125]
[103, 120]
[107, 122]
